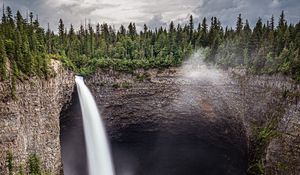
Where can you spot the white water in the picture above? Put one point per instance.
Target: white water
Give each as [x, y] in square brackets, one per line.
[98, 152]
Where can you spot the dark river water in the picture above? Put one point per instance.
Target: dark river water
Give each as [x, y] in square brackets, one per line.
[151, 149]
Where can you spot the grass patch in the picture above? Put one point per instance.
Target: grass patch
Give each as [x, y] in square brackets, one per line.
[142, 77]
[124, 85]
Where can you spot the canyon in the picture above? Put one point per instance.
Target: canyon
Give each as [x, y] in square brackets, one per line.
[247, 120]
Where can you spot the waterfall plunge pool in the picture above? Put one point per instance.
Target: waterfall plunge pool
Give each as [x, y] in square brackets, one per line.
[153, 148]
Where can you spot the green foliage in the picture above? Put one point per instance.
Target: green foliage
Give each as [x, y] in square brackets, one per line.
[84, 51]
[290, 94]
[22, 48]
[265, 134]
[13, 87]
[3, 61]
[260, 140]
[125, 85]
[34, 165]
[9, 162]
[21, 170]
[66, 62]
[141, 77]
[266, 49]
[129, 66]
[261, 169]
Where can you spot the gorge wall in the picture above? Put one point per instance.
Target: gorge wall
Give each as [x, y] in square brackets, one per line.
[242, 111]
[255, 116]
[272, 117]
[30, 123]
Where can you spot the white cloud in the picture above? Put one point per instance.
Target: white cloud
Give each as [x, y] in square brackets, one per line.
[156, 22]
[155, 12]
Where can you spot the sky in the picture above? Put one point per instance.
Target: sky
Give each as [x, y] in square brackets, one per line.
[153, 12]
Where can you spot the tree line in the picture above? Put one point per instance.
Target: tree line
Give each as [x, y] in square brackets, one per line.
[26, 47]
[267, 49]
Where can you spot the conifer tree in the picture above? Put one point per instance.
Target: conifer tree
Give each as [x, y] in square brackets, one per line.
[3, 61]
[61, 31]
[239, 24]
[203, 33]
[191, 28]
[268, 48]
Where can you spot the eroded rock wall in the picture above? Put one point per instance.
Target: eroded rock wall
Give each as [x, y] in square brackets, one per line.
[233, 103]
[30, 123]
[272, 103]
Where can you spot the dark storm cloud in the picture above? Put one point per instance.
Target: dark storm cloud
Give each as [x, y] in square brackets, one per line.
[155, 12]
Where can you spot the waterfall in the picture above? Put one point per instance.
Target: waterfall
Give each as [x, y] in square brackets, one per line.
[98, 152]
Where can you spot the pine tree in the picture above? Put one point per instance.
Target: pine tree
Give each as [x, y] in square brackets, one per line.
[145, 31]
[27, 57]
[10, 16]
[132, 30]
[247, 28]
[91, 39]
[19, 21]
[272, 23]
[239, 24]
[31, 18]
[3, 61]
[97, 35]
[14, 76]
[256, 36]
[122, 30]
[61, 31]
[266, 49]
[282, 27]
[282, 22]
[191, 28]
[18, 54]
[171, 27]
[203, 34]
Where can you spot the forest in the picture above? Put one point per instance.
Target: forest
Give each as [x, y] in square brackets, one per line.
[26, 48]
[98, 99]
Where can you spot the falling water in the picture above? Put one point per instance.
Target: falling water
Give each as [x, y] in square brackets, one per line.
[98, 152]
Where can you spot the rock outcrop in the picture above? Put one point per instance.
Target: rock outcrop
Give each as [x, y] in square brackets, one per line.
[29, 124]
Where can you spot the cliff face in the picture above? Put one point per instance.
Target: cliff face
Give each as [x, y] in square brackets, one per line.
[172, 108]
[30, 124]
[272, 117]
[241, 110]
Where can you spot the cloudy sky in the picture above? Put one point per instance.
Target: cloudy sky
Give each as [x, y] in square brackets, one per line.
[153, 12]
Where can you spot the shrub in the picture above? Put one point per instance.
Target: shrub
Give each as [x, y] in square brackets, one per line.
[9, 162]
[34, 165]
